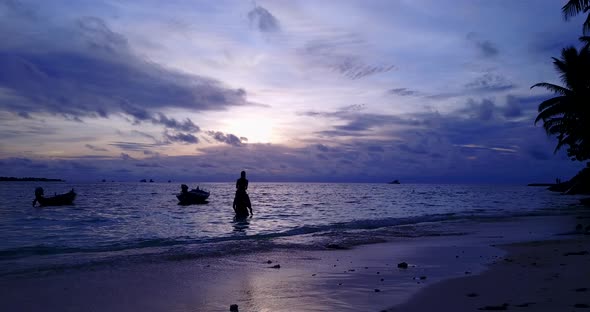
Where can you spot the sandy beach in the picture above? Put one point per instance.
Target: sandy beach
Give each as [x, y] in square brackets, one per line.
[531, 264]
[533, 276]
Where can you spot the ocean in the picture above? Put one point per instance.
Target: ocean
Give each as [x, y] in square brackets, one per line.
[112, 223]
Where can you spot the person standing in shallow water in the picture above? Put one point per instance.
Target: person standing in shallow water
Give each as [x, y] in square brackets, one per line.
[242, 182]
[242, 200]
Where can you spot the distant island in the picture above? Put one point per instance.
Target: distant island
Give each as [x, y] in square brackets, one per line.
[394, 182]
[13, 179]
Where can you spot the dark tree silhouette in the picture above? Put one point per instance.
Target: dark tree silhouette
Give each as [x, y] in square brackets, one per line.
[574, 7]
[567, 115]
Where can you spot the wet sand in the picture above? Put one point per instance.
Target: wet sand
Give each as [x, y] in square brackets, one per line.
[442, 271]
[533, 276]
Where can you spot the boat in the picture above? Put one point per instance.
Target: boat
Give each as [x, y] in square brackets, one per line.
[194, 196]
[57, 200]
[394, 182]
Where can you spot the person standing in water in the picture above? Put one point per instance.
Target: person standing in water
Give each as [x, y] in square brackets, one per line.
[242, 182]
[242, 200]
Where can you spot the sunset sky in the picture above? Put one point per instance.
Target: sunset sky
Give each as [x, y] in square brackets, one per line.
[351, 91]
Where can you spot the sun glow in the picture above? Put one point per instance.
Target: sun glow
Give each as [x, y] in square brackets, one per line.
[256, 130]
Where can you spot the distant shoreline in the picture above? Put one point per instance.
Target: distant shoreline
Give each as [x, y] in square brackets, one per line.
[541, 184]
[13, 179]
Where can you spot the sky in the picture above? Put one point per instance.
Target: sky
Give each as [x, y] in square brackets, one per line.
[424, 91]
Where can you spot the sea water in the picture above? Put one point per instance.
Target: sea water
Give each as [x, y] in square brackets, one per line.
[113, 223]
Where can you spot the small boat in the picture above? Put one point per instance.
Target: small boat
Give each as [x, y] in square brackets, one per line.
[194, 196]
[57, 200]
[394, 182]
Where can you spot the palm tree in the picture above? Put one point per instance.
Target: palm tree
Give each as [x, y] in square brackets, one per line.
[567, 115]
[573, 8]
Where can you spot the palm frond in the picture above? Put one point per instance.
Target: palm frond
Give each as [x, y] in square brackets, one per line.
[551, 102]
[573, 7]
[552, 87]
[554, 125]
[551, 112]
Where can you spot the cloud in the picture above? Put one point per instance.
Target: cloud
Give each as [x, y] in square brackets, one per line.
[261, 19]
[353, 68]
[358, 124]
[452, 149]
[136, 146]
[498, 149]
[404, 92]
[24, 115]
[143, 134]
[412, 148]
[483, 110]
[512, 108]
[490, 82]
[96, 148]
[187, 125]
[180, 137]
[148, 165]
[322, 147]
[485, 47]
[477, 132]
[227, 138]
[17, 8]
[89, 71]
[99, 36]
[337, 53]
[126, 156]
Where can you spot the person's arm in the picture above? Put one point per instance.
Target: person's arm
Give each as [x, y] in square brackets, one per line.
[245, 185]
[34, 202]
[251, 213]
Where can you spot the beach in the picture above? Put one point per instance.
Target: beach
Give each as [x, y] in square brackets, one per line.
[532, 276]
[534, 263]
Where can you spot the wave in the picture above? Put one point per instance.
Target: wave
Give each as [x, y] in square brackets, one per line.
[339, 234]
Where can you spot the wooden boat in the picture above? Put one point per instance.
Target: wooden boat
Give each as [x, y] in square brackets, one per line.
[57, 200]
[194, 196]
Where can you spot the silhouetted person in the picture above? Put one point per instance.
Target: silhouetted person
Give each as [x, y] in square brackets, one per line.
[242, 203]
[38, 195]
[184, 189]
[242, 182]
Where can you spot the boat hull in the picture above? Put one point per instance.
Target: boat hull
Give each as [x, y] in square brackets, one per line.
[192, 197]
[58, 200]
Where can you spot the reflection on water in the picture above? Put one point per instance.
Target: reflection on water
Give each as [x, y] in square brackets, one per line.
[241, 224]
[112, 219]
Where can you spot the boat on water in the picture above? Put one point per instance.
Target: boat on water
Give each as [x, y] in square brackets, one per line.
[194, 196]
[57, 200]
